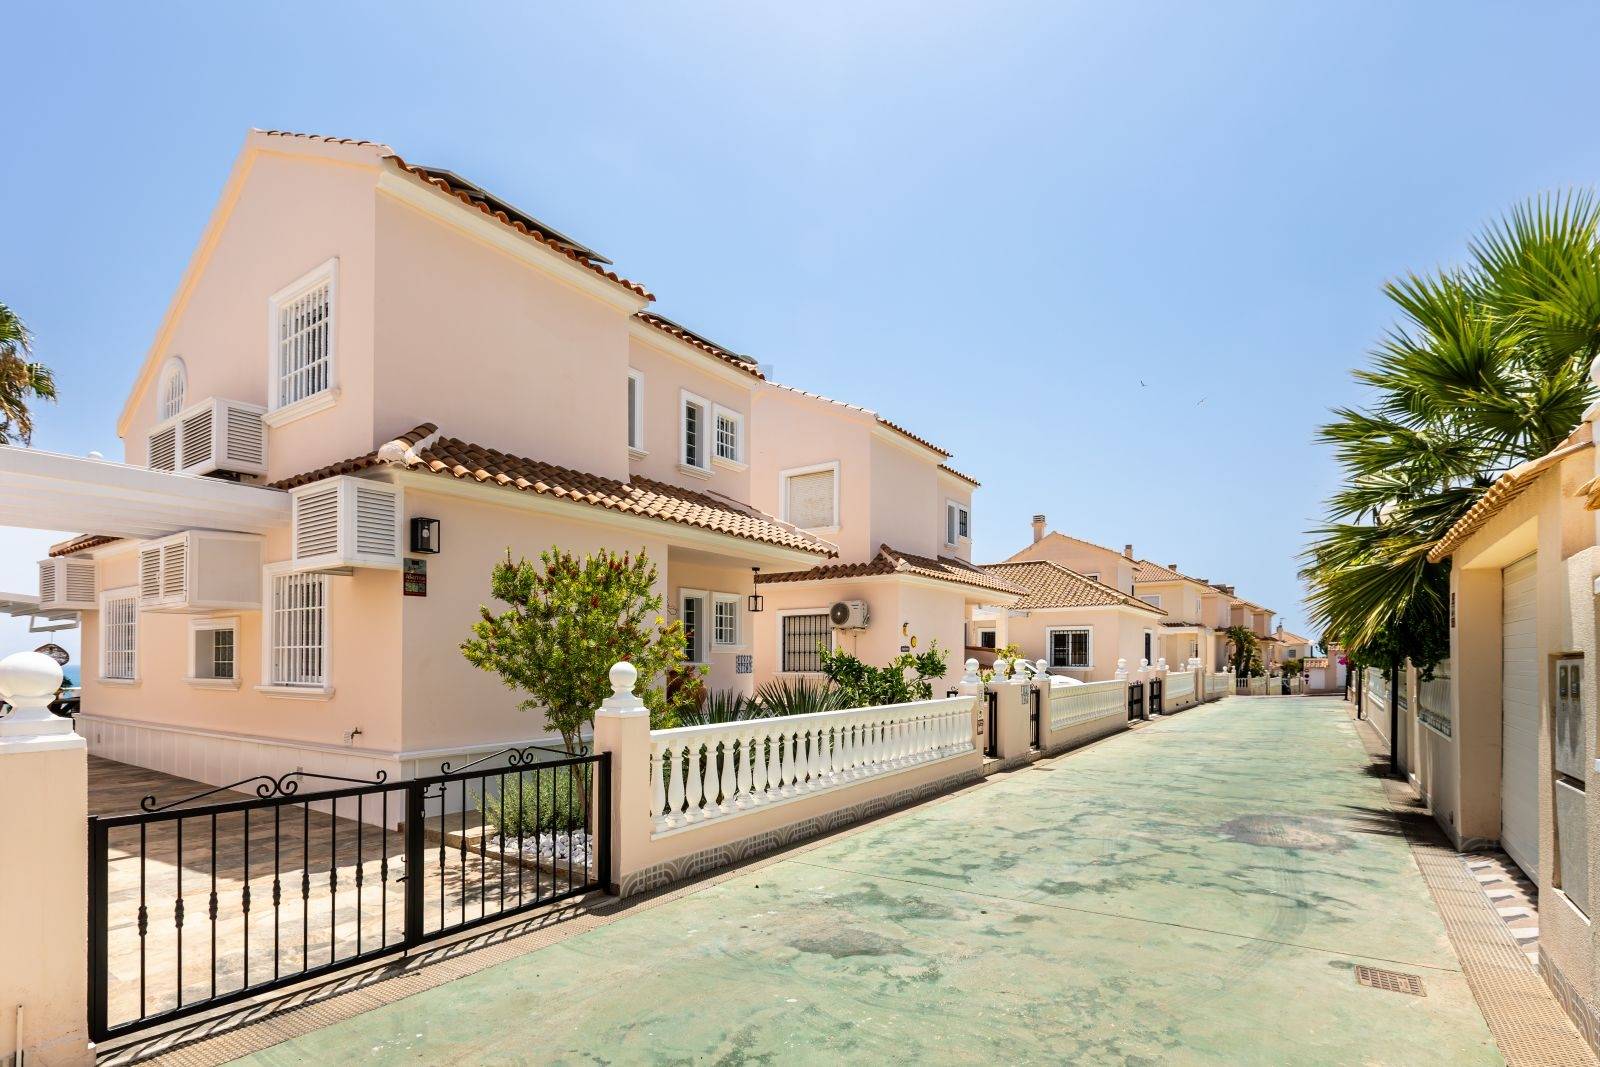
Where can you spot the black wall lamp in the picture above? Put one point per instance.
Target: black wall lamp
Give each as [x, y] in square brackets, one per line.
[425, 536]
[755, 603]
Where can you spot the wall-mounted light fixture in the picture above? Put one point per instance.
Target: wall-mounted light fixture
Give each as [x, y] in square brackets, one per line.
[755, 603]
[425, 536]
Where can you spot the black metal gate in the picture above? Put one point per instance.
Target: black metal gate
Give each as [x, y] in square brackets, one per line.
[991, 733]
[1033, 715]
[377, 867]
[1135, 701]
[1157, 688]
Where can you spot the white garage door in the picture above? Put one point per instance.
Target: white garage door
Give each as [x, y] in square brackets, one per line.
[1519, 703]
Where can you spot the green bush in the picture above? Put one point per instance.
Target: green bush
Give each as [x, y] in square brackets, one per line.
[548, 800]
[865, 686]
[797, 696]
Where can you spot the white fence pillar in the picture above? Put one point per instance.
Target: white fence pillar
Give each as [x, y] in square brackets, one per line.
[44, 859]
[622, 729]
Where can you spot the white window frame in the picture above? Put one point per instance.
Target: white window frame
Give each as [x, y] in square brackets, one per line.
[302, 692]
[707, 440]
[1050, 651]
[1153, 599]
[783, 494]
[278, 414]
[954, 514]
[717, 644]
[1149, 647]
[636, 416]
[1093, 576]
[213, 623]
[737, 460]
[129, 593]
[702, 637]
[172, 370]
[832, 635]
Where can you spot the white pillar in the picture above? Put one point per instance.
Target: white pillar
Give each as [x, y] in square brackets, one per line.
[622, 728]
[44, 859]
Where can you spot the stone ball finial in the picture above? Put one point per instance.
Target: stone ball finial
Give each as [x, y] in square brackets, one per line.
[623, 677]
[28, 677]
[1041, 668]
[972, 666]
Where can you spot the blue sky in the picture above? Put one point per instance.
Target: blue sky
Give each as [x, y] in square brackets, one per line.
[973, 218]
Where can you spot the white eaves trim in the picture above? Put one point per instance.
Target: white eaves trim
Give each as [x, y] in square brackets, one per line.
[683, 352]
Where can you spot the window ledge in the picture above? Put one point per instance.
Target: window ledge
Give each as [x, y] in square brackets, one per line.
[694, 472]
[729, 648]
[637, 453]
[730, 464]
[296, 692]
[309, 405]
[212, 683]
[129, 682]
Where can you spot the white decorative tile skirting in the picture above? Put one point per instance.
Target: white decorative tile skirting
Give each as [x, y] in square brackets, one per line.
[1577, 1009]
[697, 863]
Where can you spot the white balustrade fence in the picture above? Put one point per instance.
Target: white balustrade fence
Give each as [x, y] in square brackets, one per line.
[1377, 691]
[1218, 684]
[700, 773]
[1074, 704]
[1179, 687]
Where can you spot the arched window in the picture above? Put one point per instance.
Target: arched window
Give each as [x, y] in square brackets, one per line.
[173, 386]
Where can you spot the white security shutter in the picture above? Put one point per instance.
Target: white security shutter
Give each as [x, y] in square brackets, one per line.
[316, 522]
[163, 450]
[1519, 724]
[174, 568]
[79, 580]
[304, 352]
[150, 573]
[810, 500]
[195, 442]
[67, 584]
[299, 634]
[245, 438]
[47, 582]
[377, 513]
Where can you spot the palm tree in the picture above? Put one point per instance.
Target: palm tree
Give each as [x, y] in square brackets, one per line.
[20, 379]
[1488, 368]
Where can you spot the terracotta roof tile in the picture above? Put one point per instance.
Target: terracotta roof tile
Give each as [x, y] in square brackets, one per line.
[423, 449]
[1145, 571]
[969, 479]
[896, 427]
[1511, 485]
[893, 561]
[1050, 585]
[81, 543]
[694, 340]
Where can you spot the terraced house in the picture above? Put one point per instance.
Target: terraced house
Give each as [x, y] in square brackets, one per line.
[376, 377]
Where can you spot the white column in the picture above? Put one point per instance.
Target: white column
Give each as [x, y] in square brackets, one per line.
[44, 898]
[622, 728]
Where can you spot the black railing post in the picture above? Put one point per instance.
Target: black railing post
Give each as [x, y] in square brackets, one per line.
[99, 914]
[415, 863]
[600, 845]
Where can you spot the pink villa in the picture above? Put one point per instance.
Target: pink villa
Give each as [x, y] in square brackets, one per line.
[1090, 609]
[373, 379]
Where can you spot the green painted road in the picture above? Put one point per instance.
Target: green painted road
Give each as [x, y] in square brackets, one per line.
[1199, 892]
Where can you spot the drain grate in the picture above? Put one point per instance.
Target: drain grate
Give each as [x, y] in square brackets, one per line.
[1391, 981]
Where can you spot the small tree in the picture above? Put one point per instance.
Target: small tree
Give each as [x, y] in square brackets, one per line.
[567, 623]
[1246, 651]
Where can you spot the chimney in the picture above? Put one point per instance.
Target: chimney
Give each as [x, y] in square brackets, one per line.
[1172, 566]
[1038, 528]
[1127, 550]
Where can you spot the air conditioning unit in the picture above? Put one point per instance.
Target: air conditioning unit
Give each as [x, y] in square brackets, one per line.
[212, 437]
[200, 570]
[346, 522]
[67, 585]
[850, 615]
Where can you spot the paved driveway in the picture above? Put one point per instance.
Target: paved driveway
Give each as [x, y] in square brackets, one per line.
[1196, 892]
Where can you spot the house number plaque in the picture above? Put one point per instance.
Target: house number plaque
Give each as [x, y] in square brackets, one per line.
[414, 581]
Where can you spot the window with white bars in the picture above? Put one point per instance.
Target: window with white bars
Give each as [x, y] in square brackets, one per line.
[725, 619]
[802, 639]
[1071, 647]
[810, 498]
[730, 435]
[303, 338]
[174, 386]
[119, 635]
[297, 652]
[695, 418]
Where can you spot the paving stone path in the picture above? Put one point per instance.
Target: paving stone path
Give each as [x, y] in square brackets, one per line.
[1199, 892]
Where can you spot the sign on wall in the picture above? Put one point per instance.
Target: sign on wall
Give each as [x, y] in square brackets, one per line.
[414, 581]
[743, 664]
